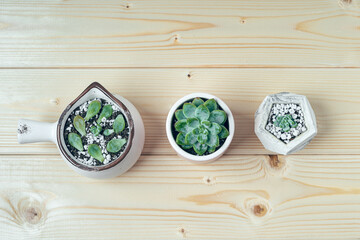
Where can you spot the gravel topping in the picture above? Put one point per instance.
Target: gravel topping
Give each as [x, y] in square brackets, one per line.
[101, 140]
[281, 115]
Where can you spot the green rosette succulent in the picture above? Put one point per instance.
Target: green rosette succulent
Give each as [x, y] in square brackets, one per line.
[201, 126]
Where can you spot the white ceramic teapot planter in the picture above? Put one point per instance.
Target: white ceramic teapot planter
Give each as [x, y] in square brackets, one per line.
[285, 122]
[33, 131]
[191, 157]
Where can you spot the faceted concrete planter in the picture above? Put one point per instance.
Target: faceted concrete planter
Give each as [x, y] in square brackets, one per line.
[285, 122]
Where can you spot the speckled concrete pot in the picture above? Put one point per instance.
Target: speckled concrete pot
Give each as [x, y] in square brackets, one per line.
[275, 144]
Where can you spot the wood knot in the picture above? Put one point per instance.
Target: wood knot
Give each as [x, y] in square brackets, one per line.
[344, 4]
[32, 215]
[128, 5]
[54, 101]
[189, 75]
[209, 180]
[274, 161]
[259, 210]
[182, 232]
[31, 211]
[176, 37]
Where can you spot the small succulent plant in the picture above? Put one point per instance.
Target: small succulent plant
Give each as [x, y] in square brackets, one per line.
[200, 125]
[75, 141]
[93, 109]
[119, 124]
[79, 125]
[106, 112]
[108, 132]
[95, 151]
[96, 129]
[113, 146]
[285, 122]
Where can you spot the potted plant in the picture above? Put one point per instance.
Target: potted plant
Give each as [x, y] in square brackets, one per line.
[285, 122]
[200, 127]
[99, 135]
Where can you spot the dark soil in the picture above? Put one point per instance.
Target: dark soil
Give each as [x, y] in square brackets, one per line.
[86, 140]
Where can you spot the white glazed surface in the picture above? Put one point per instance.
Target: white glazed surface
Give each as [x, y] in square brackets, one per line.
[207, 158]
[40, 132]
[272, 143]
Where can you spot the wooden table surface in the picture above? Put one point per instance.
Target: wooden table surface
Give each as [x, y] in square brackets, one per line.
[153, 53]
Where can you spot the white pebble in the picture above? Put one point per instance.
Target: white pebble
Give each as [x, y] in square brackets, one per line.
[283, 136]
[303, 129]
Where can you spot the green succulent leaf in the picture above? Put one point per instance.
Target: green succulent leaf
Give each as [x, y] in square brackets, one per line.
[115, 145]
[285, 122]
[106, 112]
[95, 151]
[197, 101]
[108, 132]
[180, 140]
[93, 109]
[202, 112]
[193, 122]
[186, 146]
[214, 128]
[213, 140]
[179, 114]
[96, 130]
[218, 116]
[202, 138]
[190, 138]
[75, 141]
[119, 123]
[182, 126]
[189, 110]
[196, 131]
[206, 123]
[211, 105]
[211, 149]
[224, 133]
[199, 148]
[79, 124]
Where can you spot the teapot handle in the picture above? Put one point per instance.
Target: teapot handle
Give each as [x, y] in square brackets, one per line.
[30, 131]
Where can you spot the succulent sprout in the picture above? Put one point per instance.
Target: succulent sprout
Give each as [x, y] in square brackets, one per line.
[114, 145]
[119, 123]
[79, 124]
[108, 132]
[95, 151]
[200, 126]
[106, 112]
[96, 129]
[93, 109]
[75, 141]
[285, 122]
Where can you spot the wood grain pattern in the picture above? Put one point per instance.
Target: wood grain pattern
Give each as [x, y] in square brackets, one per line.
[165, 197]
[43, 94]
[163, 33]
[153, 53]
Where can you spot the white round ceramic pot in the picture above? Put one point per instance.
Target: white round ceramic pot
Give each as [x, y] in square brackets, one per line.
[33, 131]
[195, 158]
